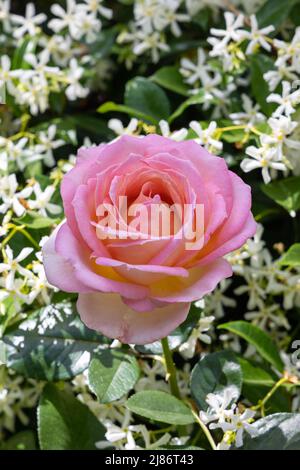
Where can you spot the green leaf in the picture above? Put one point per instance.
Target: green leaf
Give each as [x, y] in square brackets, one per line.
[177, 336]
[58, 102]
[280, 431]
[92, 124]
[18, 57]
[64, 423]
[36, 221]
[112, 374]
[202, 18]
[257, 382]
[279, 402]
[148, 98]
[285, 192]
[111, 106]
[258, 338]
[24, 440]
[274, 12]
[170, 78]
[104, 42]
[292, 256]
[160, 406]
[253, 374]
[260, 64]
[199, 98]
[216, 373]
[53, 344]
[295, 15]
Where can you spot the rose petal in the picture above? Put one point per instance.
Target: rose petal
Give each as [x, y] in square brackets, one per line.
[142, 274]
[202, 281]
[102, 279]
[109, 315]
[59, 272]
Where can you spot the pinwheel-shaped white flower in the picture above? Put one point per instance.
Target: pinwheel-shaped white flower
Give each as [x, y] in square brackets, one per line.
[287, 100]
[28, 23]
[10, 197]
[258, 36]
[12, 265]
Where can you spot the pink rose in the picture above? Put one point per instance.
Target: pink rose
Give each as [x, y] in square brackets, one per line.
[139, 289]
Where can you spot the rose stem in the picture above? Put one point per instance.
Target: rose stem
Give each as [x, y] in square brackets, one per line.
[170, 367]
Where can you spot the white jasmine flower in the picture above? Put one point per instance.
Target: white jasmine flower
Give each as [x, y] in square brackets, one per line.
[66, 19]
[11, 266]
[47, 144]
[3, 154]
[75, 89]
[28, 23]
[117, 126]
[211, 89]
[114, 433]
[224, 444]
[124, 437]
[5, 16]
[88, 26]
[153, 42]
[289, 51]
[228, 419]
[17, 153]
[149, 15]
[281, 128]
[195, 71]
[117, 433]
[34, 93]
[252, 288]
[6, 74]
[68, 164]
[16, 394]
[178, 136]
[258, 36]
[4, 69]
[39, 64]
[291, 291]
[11, 197]
[216, 301]
[39, 285]
[206, 136]
[5, 224]
[170, 16]
[59, 48]
[268, 315]
[153, 376]
[251, 250]
[254, 246]
[187, 348]
[42, 202]
[218, 409]
[95, 6]
[251, 114]
[239, 423]
[275, 77]
[286, 100]
[231, 33]
[264, 157]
